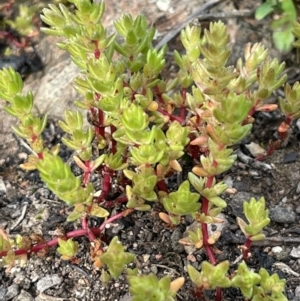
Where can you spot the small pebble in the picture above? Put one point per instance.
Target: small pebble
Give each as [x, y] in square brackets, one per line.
[297, 293]
[146, 257]
[22, 156]
[2, 293]
[255, 150]
[12, 291]
[2, 187]
[282, 215]
[298, 188]
[276, 250]
[47, 282]
[163, 5]
[295, 252]
[24, 296]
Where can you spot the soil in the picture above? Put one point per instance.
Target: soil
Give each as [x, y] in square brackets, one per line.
[27, 206]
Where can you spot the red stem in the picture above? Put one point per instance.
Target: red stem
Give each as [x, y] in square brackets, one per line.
[72, 234]
[288, 120]
[218, 294]
[85, 226]
[53, 242]
[97, 51]
[87, 174]
[183, 109]
[247, 248]
[172, 117]
[115, 217]
[113, 142]
[204, 210]
[182, 113]
[158, 95]
[119, 200]
[100, 121]
[162, 186]
[106, 184]
[11, 38]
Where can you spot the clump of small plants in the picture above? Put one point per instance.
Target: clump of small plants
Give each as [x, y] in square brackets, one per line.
[141, 126]
[20, 29]
[284, 15]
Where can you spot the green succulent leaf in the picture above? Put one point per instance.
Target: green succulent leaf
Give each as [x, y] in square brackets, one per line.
[115, 161]
[190, 38]
[263, 10]
[290, 106]
[146, 154]
[60, 179]
[98, 211]
[210, 276]
[245, 280]
[144, 183]
[234, 109]
[134, 118]
[177, 136]
[10, 83]
[149, 287]
[271, 288]
[182, 202]
[115, 258]
[257, 217]
[67, 248]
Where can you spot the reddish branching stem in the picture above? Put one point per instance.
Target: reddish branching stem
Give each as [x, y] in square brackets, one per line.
[53, 242]
[120, 200]
[85, 226]
[76, 233]
[13, 40]
[106, 183]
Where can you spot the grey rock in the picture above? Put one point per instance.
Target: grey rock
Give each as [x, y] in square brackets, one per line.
[126, 297]
[12, 291]
[282, 215]
[255, 149]
[2, 187]
[295, 252]
[276, 249]
[47, 282]
[9, 144]
[218, 227]
[52, 88]
[175, 237]
[241, 185]
[298, 187]
[236, 204]
[24, 296]
[297, 293]
[2, 292]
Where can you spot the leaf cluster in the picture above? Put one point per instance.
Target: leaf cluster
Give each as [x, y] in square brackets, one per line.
[282, 26]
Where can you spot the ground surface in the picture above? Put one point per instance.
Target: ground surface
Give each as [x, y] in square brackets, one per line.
[27, 206]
